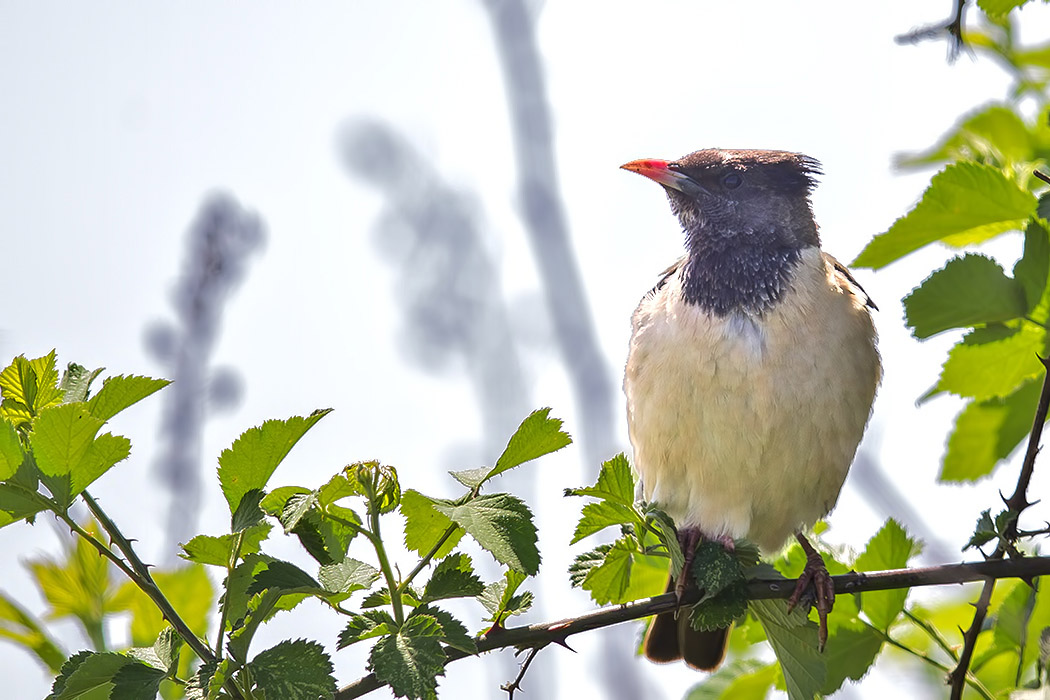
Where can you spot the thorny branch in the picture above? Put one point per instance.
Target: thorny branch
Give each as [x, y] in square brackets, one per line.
[515, 684]
[542, 634]
[1017, 502]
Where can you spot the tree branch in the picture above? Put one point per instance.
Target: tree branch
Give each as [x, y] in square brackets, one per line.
[1017, 502]
[543, 634]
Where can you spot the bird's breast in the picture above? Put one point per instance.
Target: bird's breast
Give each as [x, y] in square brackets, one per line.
[745, 425]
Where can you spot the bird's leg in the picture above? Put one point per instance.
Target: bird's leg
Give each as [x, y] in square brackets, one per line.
[688, 538]
[815, 575]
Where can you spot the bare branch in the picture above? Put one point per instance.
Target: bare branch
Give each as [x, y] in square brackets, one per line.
[514, 685]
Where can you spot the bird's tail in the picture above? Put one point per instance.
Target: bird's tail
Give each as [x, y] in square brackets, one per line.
[670, 639]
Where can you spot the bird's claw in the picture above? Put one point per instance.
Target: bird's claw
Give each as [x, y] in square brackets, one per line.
[688, 538]
[816, 586]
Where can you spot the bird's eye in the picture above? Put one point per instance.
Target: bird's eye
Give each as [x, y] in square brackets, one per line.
[732, 180]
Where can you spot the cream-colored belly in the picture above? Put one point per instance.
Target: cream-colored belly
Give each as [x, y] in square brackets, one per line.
[745, 426]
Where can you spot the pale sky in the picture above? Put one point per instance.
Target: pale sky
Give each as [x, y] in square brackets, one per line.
[119, 118]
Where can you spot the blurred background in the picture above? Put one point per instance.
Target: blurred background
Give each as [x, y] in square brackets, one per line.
[413, 213]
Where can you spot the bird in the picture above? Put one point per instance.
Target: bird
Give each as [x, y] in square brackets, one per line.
[751, 373]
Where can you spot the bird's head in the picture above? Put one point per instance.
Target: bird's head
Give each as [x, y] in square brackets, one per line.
[739, 197]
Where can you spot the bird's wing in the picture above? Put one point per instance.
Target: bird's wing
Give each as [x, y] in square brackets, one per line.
[846, 281]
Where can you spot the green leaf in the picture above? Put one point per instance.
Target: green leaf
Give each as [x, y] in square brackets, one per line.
[207, 681]
[21, 627]
[850, 653]
[338, 487]
[967, 291]
[1011, 615]
[120, 392]
[795, 646]
[453, 577]
[348, 576]
[993, 362]
[609, 580]
[999, 8]
[424, 525]
[283, 577]
[137, 680]
[28, 386]
[986, 432]
[253, 457]
[61, 437]
[538, 435]
[371, 623]
[595, 517]
[889, 548]
[728, 682]
[294, 670]
[219, 551]
[615, 483]
[502, 525]
[275, 501]
[965, 203]
[410, 660]
[994, 133]
[453, 632]
[376, 482]
[76, 382]
[715, 569]
[100, 676]
[78, 585]
[502, 600]
[718, 611]
[167, 647]
[11, 453]
[248, 513]
[326, 537]
[1032, 270]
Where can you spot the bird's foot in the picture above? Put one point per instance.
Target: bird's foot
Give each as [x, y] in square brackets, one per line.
[816, 585]
[688, 538]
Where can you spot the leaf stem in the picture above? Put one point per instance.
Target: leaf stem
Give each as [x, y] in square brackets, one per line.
[224, 609]
[427, 557]
[384, 565]
[932, 632]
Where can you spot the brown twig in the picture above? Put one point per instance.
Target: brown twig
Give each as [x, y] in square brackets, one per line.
[543, 634]
[1017, 502]
[953, 28]
[515, 684]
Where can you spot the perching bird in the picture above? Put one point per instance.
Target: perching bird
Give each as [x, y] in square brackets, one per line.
[752, 371]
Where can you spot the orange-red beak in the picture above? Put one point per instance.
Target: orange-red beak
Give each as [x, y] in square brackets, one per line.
[660, 171]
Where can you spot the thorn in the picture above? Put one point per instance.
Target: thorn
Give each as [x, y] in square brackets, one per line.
[1004, 499]
[1030, 580]
[1044, 360]
[561, 641]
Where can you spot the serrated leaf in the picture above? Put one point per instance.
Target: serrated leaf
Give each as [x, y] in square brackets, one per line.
[984, 532]
[994, 132]
[595, 517]
[371, 623]
[889, 548]
[207, 681]
[965, 203]
[502, 524]
[294, 670]
[584, 563]
[850, 653]
[348, 576]
[538, 435]
[615, 483]
[61, 437]
[1032, 270]
[103, 453]
[11, 453]
[410, 596]
[327, 537]
[71, 665]
[336, 488]
[715, 569]
[284, 577]
[795, 646]
[248, 513]
[137, 681]
[28, 387]
[78, 584]
[608, 581]
[411, 660]
[296, 507]
[168, 646]
[453, 632]
[1010, 617]
[969, 290]
[993, 362]
[718, 611]
[986, 432]
[258, 609]
[424, 525]
[275, 501]
[76, 382]
[378, 483]
[21, 627]
[668, 534]
[253, 457]
[501, 598]
[120, 392]
[219, 551]
[91, 677]
[453, 577]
